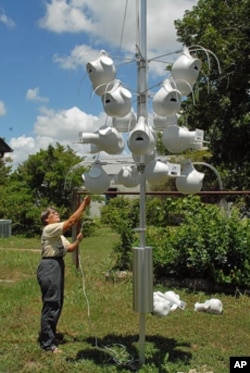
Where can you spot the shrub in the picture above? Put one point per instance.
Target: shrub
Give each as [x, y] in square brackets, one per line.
[119, 212]
[122, 214]
[206, 244]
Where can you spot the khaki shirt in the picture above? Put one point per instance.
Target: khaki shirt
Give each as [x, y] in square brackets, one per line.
[53, 243]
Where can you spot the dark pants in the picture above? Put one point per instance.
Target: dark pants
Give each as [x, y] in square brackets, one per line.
[50, 276]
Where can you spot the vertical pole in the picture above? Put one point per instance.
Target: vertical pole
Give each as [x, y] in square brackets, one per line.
[142, 244]
[75, 228]
[142, 110]
[142, 63]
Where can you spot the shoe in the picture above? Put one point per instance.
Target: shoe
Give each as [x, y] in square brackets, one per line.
[59, 342]
[59, 336]
[59, 339]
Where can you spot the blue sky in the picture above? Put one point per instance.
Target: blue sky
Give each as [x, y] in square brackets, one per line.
[45, 94]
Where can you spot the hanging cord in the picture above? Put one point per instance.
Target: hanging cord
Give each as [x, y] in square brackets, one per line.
[123, 26]
[119, 357]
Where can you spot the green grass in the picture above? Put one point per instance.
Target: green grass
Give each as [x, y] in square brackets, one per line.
[182, 341]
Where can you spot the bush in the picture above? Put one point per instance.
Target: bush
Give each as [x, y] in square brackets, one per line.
[206, 244]
[219, 250]
[122, 214]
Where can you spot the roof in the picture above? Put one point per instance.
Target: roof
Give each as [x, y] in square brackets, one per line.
[4, 148]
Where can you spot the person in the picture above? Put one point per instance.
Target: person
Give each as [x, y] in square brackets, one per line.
[50, 271]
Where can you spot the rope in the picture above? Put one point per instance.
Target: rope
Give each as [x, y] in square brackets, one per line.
[123, 26]
[119, 357]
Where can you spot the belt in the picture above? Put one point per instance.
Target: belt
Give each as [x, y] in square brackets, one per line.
[53, 257]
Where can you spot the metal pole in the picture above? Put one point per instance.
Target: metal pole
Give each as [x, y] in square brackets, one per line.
[141, 256]
[142, 110]
[142, 63]
[75, 228]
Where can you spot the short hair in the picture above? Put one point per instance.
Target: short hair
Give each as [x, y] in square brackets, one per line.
[45, 213]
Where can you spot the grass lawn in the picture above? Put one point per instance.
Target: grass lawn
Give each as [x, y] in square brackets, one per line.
[104, 336]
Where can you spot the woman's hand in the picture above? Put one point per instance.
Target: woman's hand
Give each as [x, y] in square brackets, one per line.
[86, 201]
[79, 237]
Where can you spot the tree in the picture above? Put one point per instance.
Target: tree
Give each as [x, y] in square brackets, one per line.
[224, 112]
[45, 173]
[16, 204]
[4, 171]
[37, 183]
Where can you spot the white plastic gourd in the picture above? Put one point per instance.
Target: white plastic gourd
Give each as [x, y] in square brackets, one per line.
[212, 305]
[167, 100]
[190, 181]
[101, 72]
[185, 71]
[96, 180]
[177, 139]
[117, 100]
[106, 139]
[128, 176]
[156, 171]
[141, 139]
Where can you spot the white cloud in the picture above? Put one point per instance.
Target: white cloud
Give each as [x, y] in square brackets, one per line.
[104, 20]
[65, 16]
[107, 23]
[7, 21]
[2, 109]
[53, 126]
[34, 95]
[78, 56]
[22, 147]
[64, 124]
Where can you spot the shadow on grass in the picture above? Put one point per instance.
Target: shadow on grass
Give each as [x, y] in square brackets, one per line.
[123, 351]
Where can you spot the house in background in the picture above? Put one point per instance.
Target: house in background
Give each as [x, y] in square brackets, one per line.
[4, 148]
[5, 225]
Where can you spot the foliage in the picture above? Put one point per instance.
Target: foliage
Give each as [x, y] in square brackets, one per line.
[122, 214]
[222, 111]
[36, 184]
[45, 173]
[120, 211]
[89, 225]
[162, 211]
[4, 171]
[207, 245]
[190, 239]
